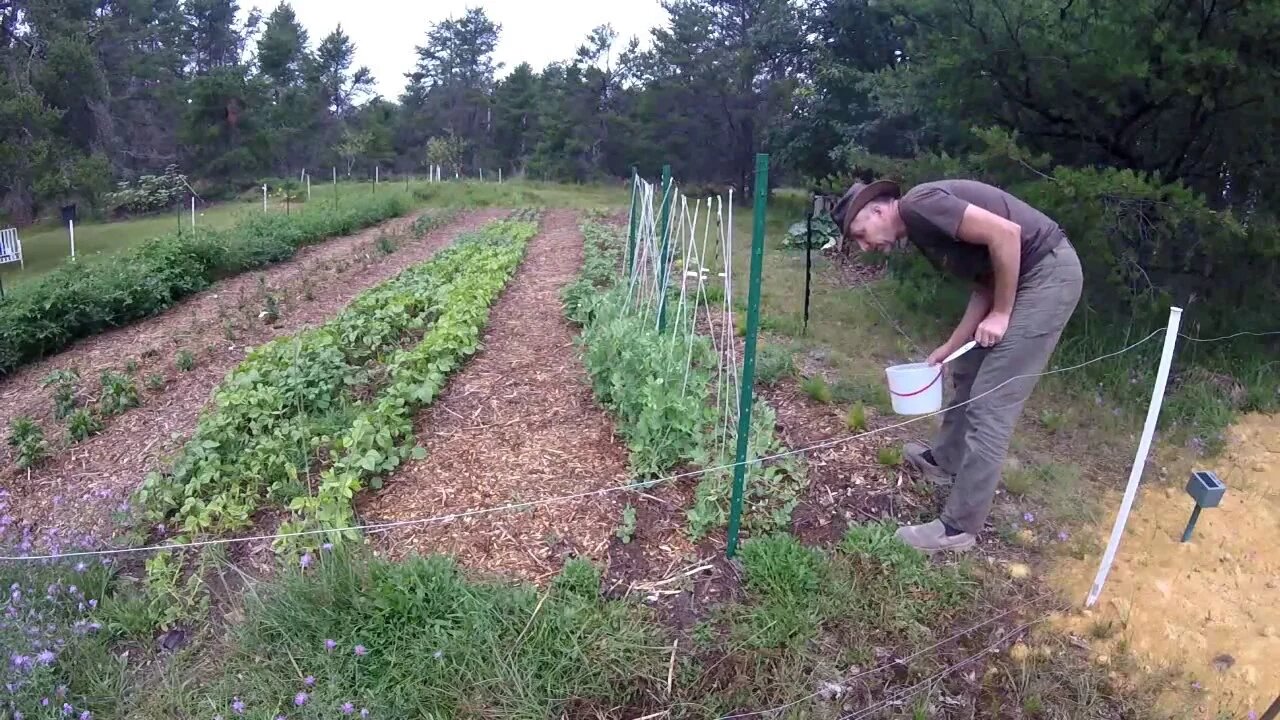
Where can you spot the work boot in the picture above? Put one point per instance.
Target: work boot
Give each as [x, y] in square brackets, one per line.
[921, 458]
[932, 537]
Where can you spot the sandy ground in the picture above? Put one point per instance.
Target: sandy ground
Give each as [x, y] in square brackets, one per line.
[1210, 607]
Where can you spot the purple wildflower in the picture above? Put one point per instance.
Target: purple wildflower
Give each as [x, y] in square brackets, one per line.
[309, 680]
[330, 645]
[348, 708]
[17, 715]
[67, 709]
[19, 661]
[81, 567]
[93, 604]
[46, 657]
[1253, 715]
[86, 715]
[1027, 516]
[360, 651]
[305, 561]
[237, 706]
[326, 547]
[364, 712]
[300, 699]
[1063, 535]
[44, 702]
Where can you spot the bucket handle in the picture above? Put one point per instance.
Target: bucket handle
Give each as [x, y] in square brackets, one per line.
[935, 379]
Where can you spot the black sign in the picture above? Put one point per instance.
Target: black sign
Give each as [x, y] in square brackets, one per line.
[69, 213]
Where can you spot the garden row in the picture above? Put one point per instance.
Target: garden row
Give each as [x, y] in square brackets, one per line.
[306, 421]
[83, 298]
[659, 388]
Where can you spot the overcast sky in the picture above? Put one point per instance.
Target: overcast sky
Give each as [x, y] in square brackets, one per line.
[387, 31]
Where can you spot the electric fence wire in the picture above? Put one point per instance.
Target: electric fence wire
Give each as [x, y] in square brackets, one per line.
[910, 692]
[642, 484]
[866, 286]
[1229, 337]
[900, 661]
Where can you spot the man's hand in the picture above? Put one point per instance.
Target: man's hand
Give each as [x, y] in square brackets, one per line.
[937, 356]
[992, 329]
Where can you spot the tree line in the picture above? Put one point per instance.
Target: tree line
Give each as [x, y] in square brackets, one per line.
[93, 92]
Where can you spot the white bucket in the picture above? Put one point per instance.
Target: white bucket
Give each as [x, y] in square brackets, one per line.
[915, 388]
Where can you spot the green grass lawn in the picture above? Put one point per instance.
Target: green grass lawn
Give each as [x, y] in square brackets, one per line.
[46, 244]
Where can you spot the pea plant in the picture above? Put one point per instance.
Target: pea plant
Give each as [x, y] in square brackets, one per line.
[660, 394]
[27, 439]
[64, 385]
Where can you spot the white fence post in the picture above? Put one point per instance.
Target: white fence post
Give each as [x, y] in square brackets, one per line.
[1139, 460]
[264, 198]
[193, 213]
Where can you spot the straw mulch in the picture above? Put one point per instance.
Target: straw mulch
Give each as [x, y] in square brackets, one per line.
[518, 423]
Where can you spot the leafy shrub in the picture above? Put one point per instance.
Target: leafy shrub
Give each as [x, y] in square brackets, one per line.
[889, 456]
[184, 361]
[82, 424]
[148, 193]
[63, 383]
[92, 295]
[627, 525]
[27, 438]
[119, 393]
[155, 382]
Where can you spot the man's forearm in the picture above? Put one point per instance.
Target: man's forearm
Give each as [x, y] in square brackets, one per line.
[977, 309]
[1006, 261]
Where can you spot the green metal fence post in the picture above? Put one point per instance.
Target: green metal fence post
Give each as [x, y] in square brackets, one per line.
[749, 354]
[635, 221]
[664, 263]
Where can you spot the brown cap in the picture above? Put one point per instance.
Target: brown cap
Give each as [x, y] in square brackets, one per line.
[857, 197]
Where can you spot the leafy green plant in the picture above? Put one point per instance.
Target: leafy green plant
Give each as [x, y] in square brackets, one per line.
[27, 438]
[856, 420]
[64, 387]
[155, 382]
[627, 526]
[773, 363]
[185, 361]
[336, 402]
[83, 424]
[119, 393]
[816, 388]
[889, 456]
[386, 243]
[270, 309]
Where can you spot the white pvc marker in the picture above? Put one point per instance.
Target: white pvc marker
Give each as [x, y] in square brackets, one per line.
[308, 188]
[71, 227]
[499, 176]
[193, 213]
[1139, 460]
[481, 174]
[376, 174]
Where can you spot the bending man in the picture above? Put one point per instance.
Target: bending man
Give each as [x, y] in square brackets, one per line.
[1026, 282]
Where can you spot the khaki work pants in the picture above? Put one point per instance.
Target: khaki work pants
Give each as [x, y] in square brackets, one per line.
[973, 439]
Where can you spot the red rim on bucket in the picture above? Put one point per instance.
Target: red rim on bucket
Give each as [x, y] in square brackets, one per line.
[936, 378]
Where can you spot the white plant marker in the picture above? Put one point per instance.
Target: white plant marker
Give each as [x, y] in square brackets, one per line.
[264, 198]
[1139, 460]
[193, 213]
[71, 228]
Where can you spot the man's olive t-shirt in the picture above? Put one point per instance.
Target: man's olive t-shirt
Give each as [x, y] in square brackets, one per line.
[932, 213]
